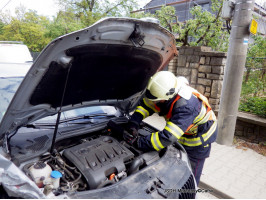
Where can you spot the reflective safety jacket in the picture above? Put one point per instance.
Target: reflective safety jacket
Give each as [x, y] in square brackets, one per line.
[190, 122]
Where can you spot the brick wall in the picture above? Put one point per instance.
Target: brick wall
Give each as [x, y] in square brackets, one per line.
[204, 70]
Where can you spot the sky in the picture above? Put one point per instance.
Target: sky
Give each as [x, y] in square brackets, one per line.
[49, 7]
[43, 7]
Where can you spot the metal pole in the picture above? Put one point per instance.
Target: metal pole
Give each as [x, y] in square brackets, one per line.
[234, 70]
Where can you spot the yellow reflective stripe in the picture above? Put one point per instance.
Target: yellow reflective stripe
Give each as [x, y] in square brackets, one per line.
[174, 129]
[142, 111]
[213, 116]
[158, 140]
[205, 119]
[207, 135]
[153, 142]
[149, 104]
[190, 142]
[201, 114]
[193, 129]
[197, 141]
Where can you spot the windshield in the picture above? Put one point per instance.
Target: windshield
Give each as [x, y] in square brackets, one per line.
[14, 53]
[8, 87]
[94, 111]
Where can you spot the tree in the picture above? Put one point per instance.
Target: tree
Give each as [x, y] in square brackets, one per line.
[256, 57]
[204, 29]
[65, 22]
[37, 31]
[139, 15]
[90, 11]
[1, 27]
[27, 27]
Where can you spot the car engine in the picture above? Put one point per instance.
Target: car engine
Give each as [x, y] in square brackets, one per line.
[89, 163]
[99, 159]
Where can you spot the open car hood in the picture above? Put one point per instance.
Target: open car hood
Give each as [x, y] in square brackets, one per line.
[107, 63]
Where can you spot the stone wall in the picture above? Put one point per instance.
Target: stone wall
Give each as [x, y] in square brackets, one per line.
[251, 128]
[204, 70]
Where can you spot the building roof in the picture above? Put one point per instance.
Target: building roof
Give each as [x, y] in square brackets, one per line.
[154, 3]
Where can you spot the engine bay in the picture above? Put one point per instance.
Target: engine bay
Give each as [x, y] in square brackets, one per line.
[92, 162]
[99, 159]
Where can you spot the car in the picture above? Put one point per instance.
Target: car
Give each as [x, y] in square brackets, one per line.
[62, 132]
[15, 58]
[14, 52]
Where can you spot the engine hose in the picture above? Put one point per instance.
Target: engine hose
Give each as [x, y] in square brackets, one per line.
[52, 166]
[45, 158]
[66, 170]
[76, 172]
[26, 169]
[104, 184]
[82, 187]
[134, 167]
[63, 178]
[77, 179]
[74, 182]
[68, 188]
[69, 167]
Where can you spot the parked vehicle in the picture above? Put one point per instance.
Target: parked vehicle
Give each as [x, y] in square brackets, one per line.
[61, 133]
[15, 58]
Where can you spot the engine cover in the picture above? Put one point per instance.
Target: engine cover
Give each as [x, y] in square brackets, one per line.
[99, 158]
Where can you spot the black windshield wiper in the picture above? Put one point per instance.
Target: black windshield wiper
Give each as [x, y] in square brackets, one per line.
[41, 125]
[93, 116]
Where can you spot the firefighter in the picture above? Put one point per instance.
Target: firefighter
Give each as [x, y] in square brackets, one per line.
[189, 119]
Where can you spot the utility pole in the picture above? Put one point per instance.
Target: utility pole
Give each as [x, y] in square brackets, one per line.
[234, 71]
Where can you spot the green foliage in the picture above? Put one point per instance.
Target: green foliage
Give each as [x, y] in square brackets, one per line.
[65, 22]
[253, 94]
[254, 86]
[256, 53]
[90, 11]
[205, 28]
[258, 47]
[37, 31]
[27, 27]
[255, 105]
[1, 27]
[139, 15]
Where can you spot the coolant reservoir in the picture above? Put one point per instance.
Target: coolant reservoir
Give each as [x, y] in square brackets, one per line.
[39, 172]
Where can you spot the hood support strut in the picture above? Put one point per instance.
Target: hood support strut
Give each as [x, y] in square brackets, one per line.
[60, 111]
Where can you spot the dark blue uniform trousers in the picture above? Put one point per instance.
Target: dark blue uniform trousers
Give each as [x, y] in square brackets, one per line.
[197, 166]
[197, 156]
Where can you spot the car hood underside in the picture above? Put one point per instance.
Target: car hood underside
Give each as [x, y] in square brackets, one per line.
[108, 63]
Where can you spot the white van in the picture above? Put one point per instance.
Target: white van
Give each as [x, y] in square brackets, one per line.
[15, 59]
[14, 52]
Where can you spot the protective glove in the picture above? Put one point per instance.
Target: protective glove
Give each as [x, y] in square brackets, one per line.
[131, 136]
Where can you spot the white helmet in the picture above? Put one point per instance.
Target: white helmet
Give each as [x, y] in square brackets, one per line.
[164, 85]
